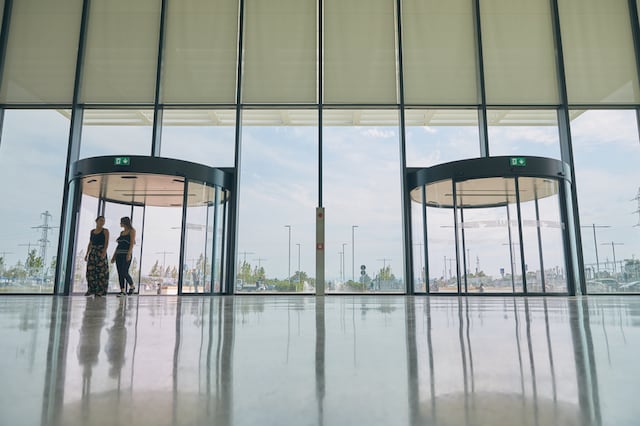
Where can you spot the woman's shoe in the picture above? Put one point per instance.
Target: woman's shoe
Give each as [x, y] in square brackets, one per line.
[132, 288]
[122, 293]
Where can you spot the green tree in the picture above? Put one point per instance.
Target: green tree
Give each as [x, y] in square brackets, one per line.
[34, 263]
[385, 274]
[17, 271]
[155, 270]
[245, 271]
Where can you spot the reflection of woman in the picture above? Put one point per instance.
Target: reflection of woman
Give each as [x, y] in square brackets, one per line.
[97, 262]
[116, 342]
[89, 342]
[122, 255]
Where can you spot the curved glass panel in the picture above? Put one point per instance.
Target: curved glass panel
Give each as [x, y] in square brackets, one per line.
[179, 223]
[509, 230]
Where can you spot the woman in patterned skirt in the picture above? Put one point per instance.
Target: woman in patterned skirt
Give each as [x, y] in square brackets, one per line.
[97, 261]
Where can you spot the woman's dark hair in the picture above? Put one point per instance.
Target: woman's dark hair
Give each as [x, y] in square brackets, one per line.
[99, 217]
[126, 222]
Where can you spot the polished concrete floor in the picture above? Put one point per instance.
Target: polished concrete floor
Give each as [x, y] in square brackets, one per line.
[341, 360]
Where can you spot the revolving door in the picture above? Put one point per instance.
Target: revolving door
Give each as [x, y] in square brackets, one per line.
[179, 210]
[494, 225]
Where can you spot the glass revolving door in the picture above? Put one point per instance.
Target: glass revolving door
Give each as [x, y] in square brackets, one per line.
[492, 228]
[180, 222]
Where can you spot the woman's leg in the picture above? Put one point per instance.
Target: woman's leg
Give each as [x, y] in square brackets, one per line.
[127, 276]
[91, 273]
[121, 266]
[103, 275]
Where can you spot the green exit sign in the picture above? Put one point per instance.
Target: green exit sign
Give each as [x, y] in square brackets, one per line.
[518, 161]
[121, 161]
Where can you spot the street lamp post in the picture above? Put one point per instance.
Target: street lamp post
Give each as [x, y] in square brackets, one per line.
[353, 253]
[289, 258]
[343, 256]
[595, 244]
[613, 248]
[299, 276]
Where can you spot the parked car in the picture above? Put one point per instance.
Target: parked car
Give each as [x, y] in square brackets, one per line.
[633, 286]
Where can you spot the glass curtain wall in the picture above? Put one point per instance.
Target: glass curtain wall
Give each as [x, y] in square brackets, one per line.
[606, 164]
[522, 132]
[278, 196]
[116, 132]
[202, 136]
[363, 222]
[32, 166]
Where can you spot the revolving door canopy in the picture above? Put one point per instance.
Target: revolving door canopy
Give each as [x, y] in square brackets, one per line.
[180, 211]
[502, 220]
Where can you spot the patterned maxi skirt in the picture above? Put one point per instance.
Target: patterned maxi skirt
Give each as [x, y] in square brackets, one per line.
[97, 272]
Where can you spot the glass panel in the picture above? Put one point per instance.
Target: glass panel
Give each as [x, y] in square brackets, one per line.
[113, 132]
[360, 52]
[440, 238]
[435, 136]
[219, 238]
[542, 230]
[599, 58]
[417, 229]
[32, 164]
[277, 204]
[491, 236]
[524, 132]
[121, 54]
[113, 212]
[87, 214]
[200, 52]
[518, 52]
[198, 245]
[280, 52]
[439, 52]
[201, 136]
[361, 181]
[161, 250]
[42, 50]
[606, 167]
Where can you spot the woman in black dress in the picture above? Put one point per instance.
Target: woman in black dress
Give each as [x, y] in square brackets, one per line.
[122, 255]
[97, 261]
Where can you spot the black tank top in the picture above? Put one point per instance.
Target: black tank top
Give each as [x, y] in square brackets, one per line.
[97, 239]
[124, 242]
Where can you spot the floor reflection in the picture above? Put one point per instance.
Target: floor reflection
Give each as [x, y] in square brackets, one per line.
[335, 360]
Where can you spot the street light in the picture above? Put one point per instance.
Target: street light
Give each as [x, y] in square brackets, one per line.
[595, 244]
[299, 277]
[289, 258]
[343, 256]
[613, 248]
[353, 253]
